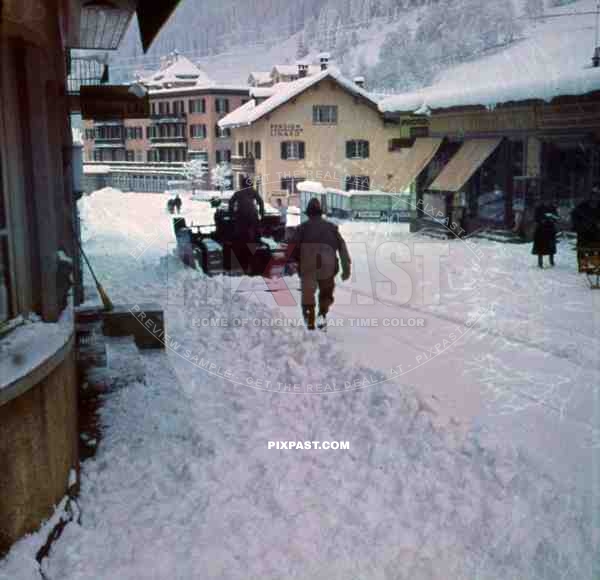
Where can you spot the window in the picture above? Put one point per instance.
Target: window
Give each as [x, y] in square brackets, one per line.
[178, 107]
[222, 133]
[129, 155]
[197, 106]
[221, 105]
[399, 144]
[325, 114]
[218, 156]
[6, 310]
[292, 150]
[227, 153]
[357, 149]
[163, 108]
[419, 132]
[198, 131]
[290, 184]
[257, 150]
[153, 108]
[139, 156]
[241, 149]
[358, 183]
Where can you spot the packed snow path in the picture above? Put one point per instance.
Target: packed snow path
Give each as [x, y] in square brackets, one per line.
[183, 485]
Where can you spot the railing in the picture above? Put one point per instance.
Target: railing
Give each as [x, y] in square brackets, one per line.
[85, 71]
[179, 139]
[158, 118]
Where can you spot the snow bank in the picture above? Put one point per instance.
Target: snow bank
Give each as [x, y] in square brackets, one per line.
[183, 480]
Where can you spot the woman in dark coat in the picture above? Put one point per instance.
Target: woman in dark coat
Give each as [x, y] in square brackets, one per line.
[544, 238]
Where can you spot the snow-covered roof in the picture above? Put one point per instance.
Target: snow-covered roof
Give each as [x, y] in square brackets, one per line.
[259, 77]
[178, 70]
[261, 92]
[211, 86]
[311, 187]
[292, 69]
[251, 112]
[554, 59]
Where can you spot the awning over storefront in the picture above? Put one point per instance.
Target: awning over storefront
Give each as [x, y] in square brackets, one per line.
[467, 160]
[414, 161]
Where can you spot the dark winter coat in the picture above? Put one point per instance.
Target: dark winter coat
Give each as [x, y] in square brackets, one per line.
[243, 204]
[318, 243]
[586, 222]
[544, 238]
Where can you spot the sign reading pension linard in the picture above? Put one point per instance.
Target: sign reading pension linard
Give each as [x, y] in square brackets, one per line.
[286, 130]
[112, 102]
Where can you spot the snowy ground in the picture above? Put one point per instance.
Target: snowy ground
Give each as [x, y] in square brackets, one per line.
[479, 462]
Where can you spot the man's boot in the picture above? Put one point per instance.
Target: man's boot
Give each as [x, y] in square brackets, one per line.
[322, 319]
[309, 316]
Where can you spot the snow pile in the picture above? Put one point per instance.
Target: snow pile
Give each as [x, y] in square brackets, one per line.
[183, 480]
[31, 344]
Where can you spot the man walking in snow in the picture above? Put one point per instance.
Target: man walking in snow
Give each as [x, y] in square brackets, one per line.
[243, 207]
[318, 243]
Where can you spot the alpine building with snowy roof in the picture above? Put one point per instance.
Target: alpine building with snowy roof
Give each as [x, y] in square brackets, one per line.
[516, 128]
[320, 127]
[185, 107]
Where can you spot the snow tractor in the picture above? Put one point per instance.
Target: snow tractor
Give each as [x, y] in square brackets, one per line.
[218, 249]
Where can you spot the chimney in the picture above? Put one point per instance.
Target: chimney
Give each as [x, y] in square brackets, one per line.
[302, 70]
[360, 81]
[324, 60]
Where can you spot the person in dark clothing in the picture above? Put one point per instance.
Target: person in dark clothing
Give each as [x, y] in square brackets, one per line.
[243, 208]
[177, 203]
[317, 245]
[586, 220]
[544, 238]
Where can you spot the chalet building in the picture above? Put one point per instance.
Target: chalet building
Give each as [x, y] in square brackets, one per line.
[504, 151]
[185, 107]
[320, 127]
[282, 73]
[39, 183]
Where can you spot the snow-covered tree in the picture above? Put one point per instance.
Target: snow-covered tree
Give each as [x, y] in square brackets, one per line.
[194, 171]
[221, 176]
[301, 50]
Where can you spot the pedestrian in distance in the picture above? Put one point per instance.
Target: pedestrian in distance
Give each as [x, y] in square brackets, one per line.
[544, 237]
[177, 203]
[317, 245]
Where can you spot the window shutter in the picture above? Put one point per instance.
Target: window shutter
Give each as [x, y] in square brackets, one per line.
[349, 148]
[301, 149]
[284, 149]
[366, 149]
[203, 107]
[227, 105]
[315, 114]
[257, 151]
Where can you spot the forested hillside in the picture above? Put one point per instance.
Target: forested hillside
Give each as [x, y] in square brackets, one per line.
[396, 44]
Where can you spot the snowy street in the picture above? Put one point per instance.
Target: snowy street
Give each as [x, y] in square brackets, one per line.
[473, 452]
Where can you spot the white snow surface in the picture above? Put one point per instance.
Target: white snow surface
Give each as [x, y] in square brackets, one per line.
[183, 485]
[553, 59]
[29, 345]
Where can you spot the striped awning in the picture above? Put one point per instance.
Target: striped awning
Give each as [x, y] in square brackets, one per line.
[414, 161]
[467, 160]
